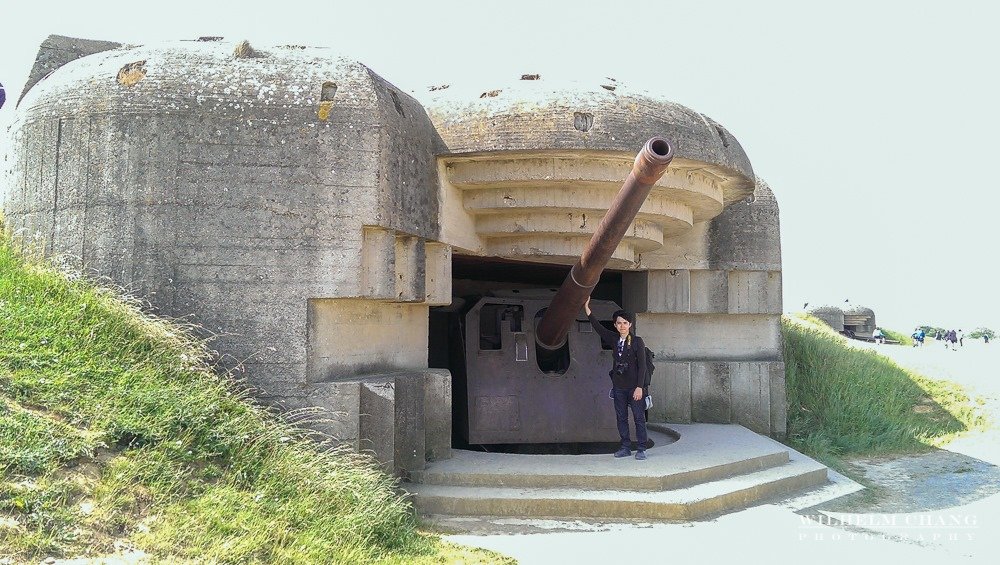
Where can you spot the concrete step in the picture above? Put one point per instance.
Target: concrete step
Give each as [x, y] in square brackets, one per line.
[663, 471]
[683, 455]
[502, 476]
[709, 498]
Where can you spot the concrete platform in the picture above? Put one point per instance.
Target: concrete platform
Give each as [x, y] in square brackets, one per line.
[710, 469]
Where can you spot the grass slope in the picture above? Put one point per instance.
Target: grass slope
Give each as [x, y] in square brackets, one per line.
[899, 337]
[845, 401]
[115, 431]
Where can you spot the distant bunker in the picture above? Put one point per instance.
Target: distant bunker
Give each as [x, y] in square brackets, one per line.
[859, 321]
[370, 253]
[853, 321]
[832, 316]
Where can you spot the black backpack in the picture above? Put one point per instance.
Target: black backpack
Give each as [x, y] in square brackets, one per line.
[649, 369]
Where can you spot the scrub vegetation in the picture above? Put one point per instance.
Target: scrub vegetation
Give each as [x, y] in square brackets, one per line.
[846, 402]
[117, 436]
[898, 337]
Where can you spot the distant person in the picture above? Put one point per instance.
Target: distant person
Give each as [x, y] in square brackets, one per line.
[951, 339]
[628, 372]
[3, 97]
[878, 336]
[986, 338]
[937, 335]
[961, 338]
[918, 337]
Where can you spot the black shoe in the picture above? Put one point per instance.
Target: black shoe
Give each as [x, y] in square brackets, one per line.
[623, 452]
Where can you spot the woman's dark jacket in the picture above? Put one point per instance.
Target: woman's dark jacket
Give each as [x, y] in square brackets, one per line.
[635, 355]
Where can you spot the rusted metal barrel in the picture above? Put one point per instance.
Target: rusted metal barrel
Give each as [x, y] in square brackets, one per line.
[649, 166]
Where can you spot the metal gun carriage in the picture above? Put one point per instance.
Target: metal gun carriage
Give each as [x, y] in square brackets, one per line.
[532, 370]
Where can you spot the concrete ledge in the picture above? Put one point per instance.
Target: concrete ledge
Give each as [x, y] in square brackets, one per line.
[711, 469]
[437, 414]
[376, 422]
[391, 421]
[682, 464]
[402, 418]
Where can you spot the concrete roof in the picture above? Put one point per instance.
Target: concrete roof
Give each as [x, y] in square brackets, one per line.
[542, 114]
[826, 308]
[859, 310]
[201, 75]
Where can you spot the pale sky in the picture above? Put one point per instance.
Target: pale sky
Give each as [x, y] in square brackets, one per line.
[873, 122]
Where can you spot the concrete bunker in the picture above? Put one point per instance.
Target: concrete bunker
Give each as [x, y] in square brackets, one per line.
[233, 190]
[859, 322]
[832, 316]
[853, 321]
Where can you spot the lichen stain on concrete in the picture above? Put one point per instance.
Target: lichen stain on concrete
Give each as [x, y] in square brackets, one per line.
[324, 110]
[244, 50]
[132, 73]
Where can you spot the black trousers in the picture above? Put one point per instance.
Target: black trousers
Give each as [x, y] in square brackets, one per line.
[623, 402]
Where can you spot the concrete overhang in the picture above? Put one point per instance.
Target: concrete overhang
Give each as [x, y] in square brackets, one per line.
[534, 165]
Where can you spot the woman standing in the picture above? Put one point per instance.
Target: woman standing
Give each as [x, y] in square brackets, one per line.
[627, 373]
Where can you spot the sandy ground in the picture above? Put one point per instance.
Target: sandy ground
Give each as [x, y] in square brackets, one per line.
[960, 525]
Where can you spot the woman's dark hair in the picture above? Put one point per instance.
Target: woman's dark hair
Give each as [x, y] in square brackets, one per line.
[627, 315]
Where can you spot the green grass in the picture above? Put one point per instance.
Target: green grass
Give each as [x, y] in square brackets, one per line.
[114, 429]
[846, 402]
[901, 338]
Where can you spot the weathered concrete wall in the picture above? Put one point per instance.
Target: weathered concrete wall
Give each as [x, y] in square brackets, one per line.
[711, 309]
[750, 393]
[832, 315]
[248, 190]
[230, 187]
[712, 336]
[746, 237]
[350, 336]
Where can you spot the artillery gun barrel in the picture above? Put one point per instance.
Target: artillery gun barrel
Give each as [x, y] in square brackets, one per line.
[649, 166]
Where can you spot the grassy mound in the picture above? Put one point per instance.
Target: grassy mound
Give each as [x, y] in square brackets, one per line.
[116, 433]
[899, 337]
[844, 401]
